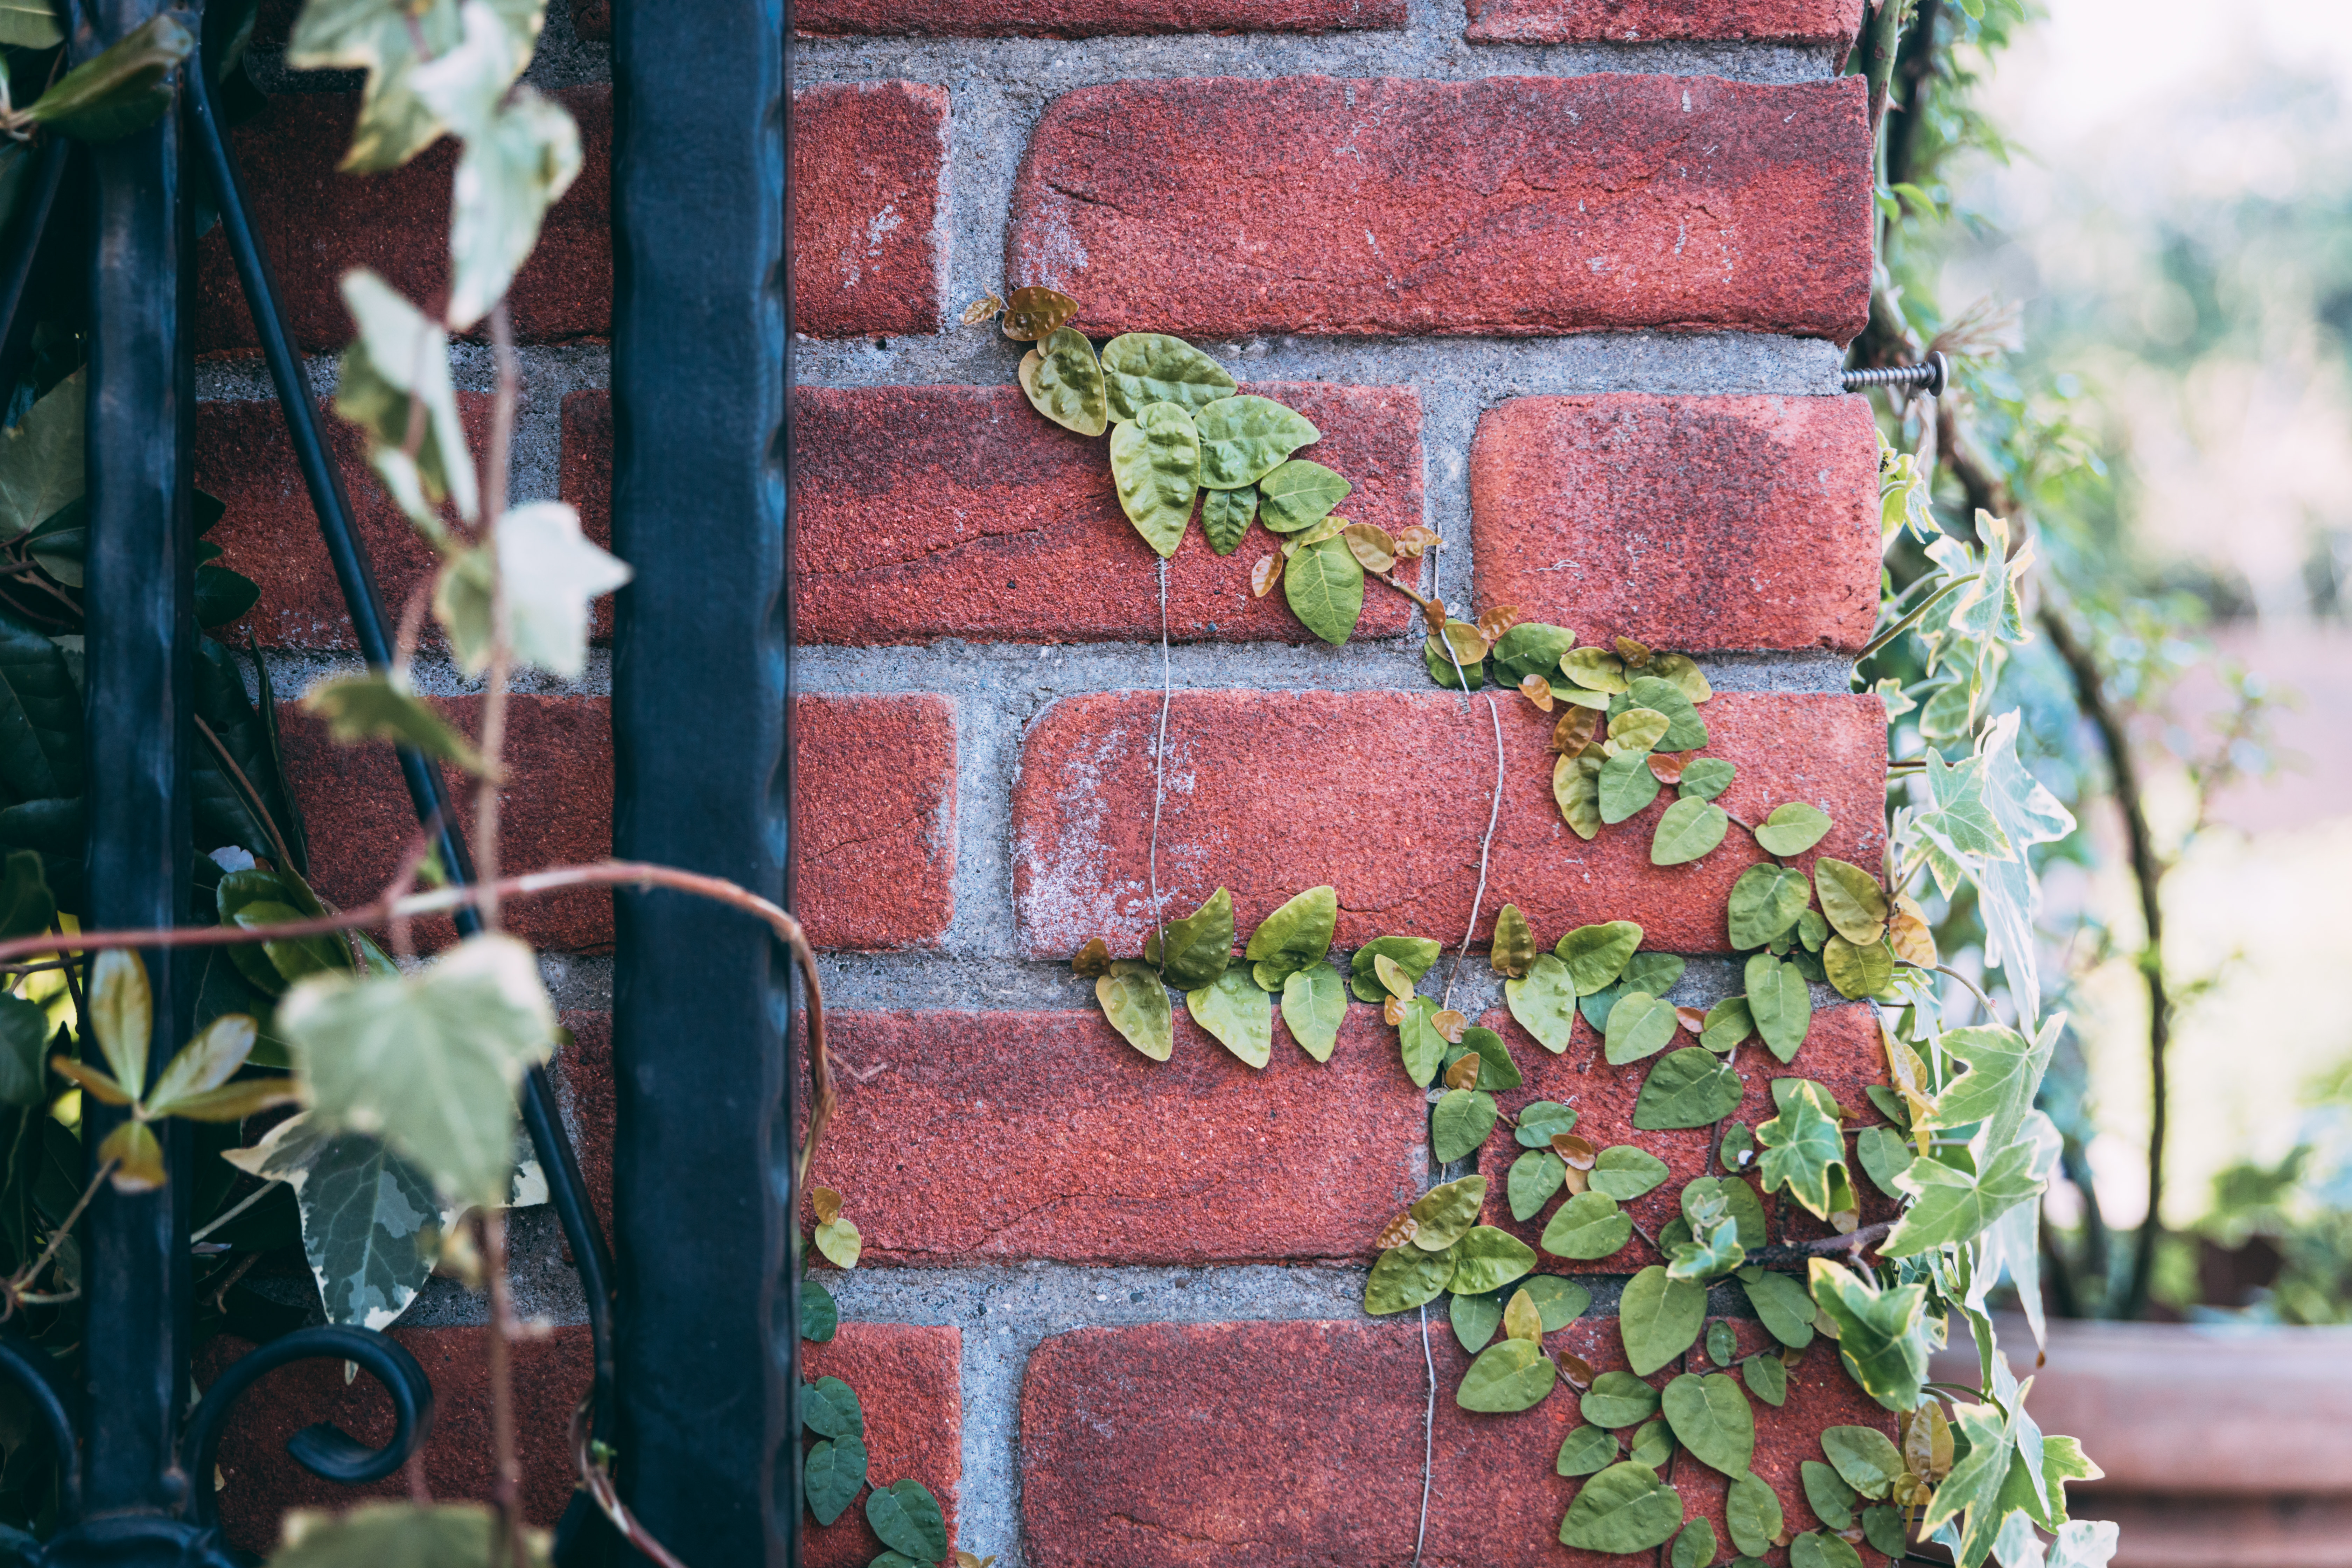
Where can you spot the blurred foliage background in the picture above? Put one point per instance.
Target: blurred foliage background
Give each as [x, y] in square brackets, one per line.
[2127, 222]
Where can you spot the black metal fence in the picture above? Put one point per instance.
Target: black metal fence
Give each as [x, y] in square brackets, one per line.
[695, 1324]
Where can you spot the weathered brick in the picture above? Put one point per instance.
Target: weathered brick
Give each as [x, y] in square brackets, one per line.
[1813, 22]
[868, 160]
[1089, 18]
[583, 1085]
[1300, 1443]
[1384, 796]
[875, 812]
[260, 1481]
[949, 1157]
[960, 511]
[317, 224]
[1509, 205]
[1694, 523]
[1842, 1053]
[909, 1382]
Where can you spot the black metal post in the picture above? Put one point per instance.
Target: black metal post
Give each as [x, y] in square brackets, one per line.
[141, 632]
[703, 1199]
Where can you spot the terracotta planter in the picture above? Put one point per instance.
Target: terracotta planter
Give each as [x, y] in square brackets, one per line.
[2223, 1446]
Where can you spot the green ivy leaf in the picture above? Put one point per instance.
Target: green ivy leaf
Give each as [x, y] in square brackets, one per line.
[1594, 669]
[1531, 648]
[1865, 1458]
[1627, 785]
[1544, 1003]
[1815, 1550]
[1706, 778]
[819, 1316]
[1595, 954]
[1199, 947]
[1475, 1320]
[1298, 494]
[1640, 1025]
[1445, 1213]
[2004, 1072]
[1314, 1006]
[1234, 1012]
[1714, 1252]
[1778, 1003]
[1488, 1259]
[1413, 954]
[1880, 1337]
[1792, 829]
[123, 89]
[1686, 731]
[1588, 1226]
[1576, 790]
[1803, 1145]
[1688, 830]
[1652, 1444]
[1766, 901]
[1225, 517]
[1782, 1304]
[1460, 1123]
[829, 1408]
[1325, 586]
[1065, 383]
[907, 1519]
[1953, 1206]
[1885, 1156]
[1851, 900]
[1729, 1023]
[1829, 1497]
[1586, 1450]
[401, 1535]
[1136, 1002]
[1143, 368]
[1245, 438]
[1513, 1375]
[1722, 1344]
[1695, 1547]
[1558, 1302]
[375, 708]
[1155, 462]
[1625, 1172]
[1405, 1278]
[1539, 1119]
[1660, 1319]
[1858, 970]
[1422, 1046]
[1882, 1526]
[42, 470]
[831, 1476]
[1766, 1378]
[1625, 1509]
[1752, 1510]
[1496, 1071]
[1688, 1087]
[1619, 1399]
[1710, 1417]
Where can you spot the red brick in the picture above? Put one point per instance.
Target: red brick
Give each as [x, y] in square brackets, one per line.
[261, 1481]
[592, 20]
[1841, 1053]
[1814, 22]
[1383, 795]
[1131, 1456]
[584, 1082]
[910, 1384]
[317, 224]
[1508, 204]
[868, 160]
[1695, 524]
[877, 815]
[960, 511]
[946, 1157]
[584, 480]
[1088, 18]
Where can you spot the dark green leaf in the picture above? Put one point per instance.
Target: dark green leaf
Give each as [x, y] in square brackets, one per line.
[1406, 1277]
[1325, 586]
[1880, 1340]
[1619, 1399]
[1596, 955]
[1627, 785]
[829, 1408]
[820, 1315]
[1829, 1497]
[1541, 1118]
[121, 89]
[830, 1477]
[1686, 731]
[1711, 1418]
[223, 595]
[907, 1519]
[1779, 1004]
[1419, 1043]
[1816, 1550]
[1865, 1458]
[1448, 669]
[1488, 1259]
[1625, 1173]
[1655, 972]
[32, 25]
[1510, 1375]
[1688, 1087]
[1706, 778]
[1882, 1526]
[1752, 1510]
[1198, 946]
[24, 1051]
[1804, 1144]
[1729, 1023]
[1767, 1378]
[1445, 1213]
[1298, 494]
[1496, 1071]
[1295, 934]
[1640, 1025]
[1475, 1319]
[1586, 1450]
[1535, 1177]
[1782, 1304]
[1695, 1547]
[1460, 1123]
[1588, 1226]
[1885, 1156]
[1558, 1302]
[1764, 903]
[1625, 1509]
[1660, 1318]
[40, 716]
[1652, 1444]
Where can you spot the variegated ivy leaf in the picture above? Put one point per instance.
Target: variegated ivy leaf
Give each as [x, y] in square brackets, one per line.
[427, 1061]
[398, 357]
[1803, 1145]
[389, 39]
[2009, 893]
[552, 575]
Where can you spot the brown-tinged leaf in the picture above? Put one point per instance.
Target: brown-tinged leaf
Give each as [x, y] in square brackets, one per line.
[827, 1202]
[1464, 1074]
[1576, 1151]
[1265, 574]
[1692, 1019]
[1908, 933]
[1469, 644]
[1668, 767]
[1397, 1232]
[1495, 622]
[1393, 975]
[1927, 1442]
[1393, 1011]
[1412, 541]
[1370, 543]
[980, 309]
[1538, 691]
[1576, 1181]
[1576, 1369]
[1449, 1023]
[1036, 312]
[1513, 951]
[1093, 961]
[1575, 730]
[1635, 655]
[1434, 614]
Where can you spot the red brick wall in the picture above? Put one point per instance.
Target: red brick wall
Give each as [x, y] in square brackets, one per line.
[1586, 327]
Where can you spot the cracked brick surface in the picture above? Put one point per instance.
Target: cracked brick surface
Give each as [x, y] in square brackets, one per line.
[986, 1136]
[1272, 791]
[1509, 205]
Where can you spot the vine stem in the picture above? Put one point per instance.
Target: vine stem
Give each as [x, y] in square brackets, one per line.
[1159, 778]
[16, 1283]
[1486, 846]
[598, 1480]
[501, 670]
[1428, 1435]
[1911, 619]
[506, 1478]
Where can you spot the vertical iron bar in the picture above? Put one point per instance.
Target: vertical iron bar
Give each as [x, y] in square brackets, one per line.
[705, 1124]
[139, 627]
